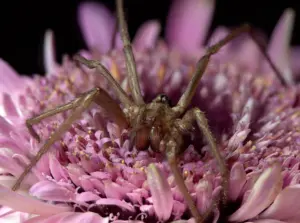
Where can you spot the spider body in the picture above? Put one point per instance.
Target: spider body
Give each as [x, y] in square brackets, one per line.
[154, 123]
[157, 124]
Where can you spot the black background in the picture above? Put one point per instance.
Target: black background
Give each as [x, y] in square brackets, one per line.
[23, 24]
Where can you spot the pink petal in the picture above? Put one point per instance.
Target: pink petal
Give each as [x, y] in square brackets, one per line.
[67, 217]
[57, 170]
[237, 181]
[10, 215]
[247, 55]
[147, 35]
[97, 25]
[6, 142]
[279, 46]
[159, 188]
[9, 106]
[10, 80]
[252, 177]
[204, 191]
[9, 181]
[28, 204]
[127, 221]
[111, 201]
[266, 221]
[218, 34]
[188, 23]
[5, 127]
[13, 167]
[264, 191]
[295, 57]
[87, 196]
[114, 190]
[178, 208]
[75, 172]
[49, 52]
[286, 205]
[47, 190]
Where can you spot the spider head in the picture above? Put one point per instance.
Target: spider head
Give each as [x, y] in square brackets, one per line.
[162, 98]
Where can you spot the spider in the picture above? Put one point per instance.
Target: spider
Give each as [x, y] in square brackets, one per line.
[157, 123]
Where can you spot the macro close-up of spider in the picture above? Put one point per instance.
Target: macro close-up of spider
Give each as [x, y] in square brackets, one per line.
[190, 116]
[156, 124]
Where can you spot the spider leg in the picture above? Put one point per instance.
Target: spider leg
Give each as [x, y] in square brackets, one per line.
[171, 148]
[35, 120]
[187, 96]
[120, 93]
[79, 105]
[197, 115]
[130, 61]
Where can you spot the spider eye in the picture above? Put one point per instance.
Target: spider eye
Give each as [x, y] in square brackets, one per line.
[162, 98]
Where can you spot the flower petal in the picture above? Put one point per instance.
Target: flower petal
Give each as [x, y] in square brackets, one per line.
[266, 221]
[51, 191]
[87, 196]
[111, 201]
[295, 65]
[247, 55]
[237, 180]
[10, 80]
[159, 188]
[204, 191]
[218, 34]
[188, 23]
[5, 127]
[49, 52]
[147, 35]
[57, 170]
[97, 25]
[87, 217]
[265, 189]
[279, 46]
[286, 205]
[9, 106]
[28, 204]
[9, 215]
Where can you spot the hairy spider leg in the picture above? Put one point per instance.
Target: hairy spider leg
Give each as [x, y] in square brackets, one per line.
[129, 57]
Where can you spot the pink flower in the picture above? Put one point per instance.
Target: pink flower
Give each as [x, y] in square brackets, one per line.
[91, 176]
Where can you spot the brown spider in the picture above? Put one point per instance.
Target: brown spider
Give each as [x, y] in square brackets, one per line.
[155, 123]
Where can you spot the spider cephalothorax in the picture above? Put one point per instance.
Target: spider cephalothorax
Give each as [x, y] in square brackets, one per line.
[153, 123]
[157, 124]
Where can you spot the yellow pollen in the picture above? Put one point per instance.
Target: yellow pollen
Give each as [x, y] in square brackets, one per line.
[161, 72]
[278, 110]
[114, 71]
[249, 143]
[186, 173]
[72, 78]
[295, 115]
[253, 148]
[122, 161]
[262, 81]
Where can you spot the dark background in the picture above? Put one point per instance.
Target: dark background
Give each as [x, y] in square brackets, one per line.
[23, 24]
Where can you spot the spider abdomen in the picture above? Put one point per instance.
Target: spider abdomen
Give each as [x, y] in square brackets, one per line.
[142, 138]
